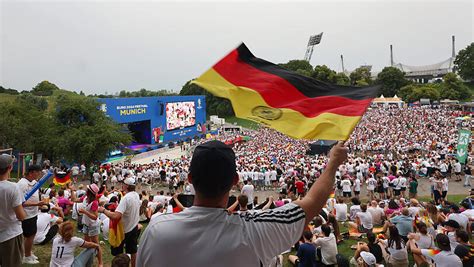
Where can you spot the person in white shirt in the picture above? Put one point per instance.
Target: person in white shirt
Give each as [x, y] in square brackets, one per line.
[31, 208]
[346, 187]
[248, 190]
[357, 187]
[237, 239]
[11, 215]
[371, 184]
[442, 257]
[341, 210]
[402, 181]
[378, 214]
[326, 246]
[363, 222]
[461, 219]
[457, 170]
[128, 211]
[48, 226]
[64, 245]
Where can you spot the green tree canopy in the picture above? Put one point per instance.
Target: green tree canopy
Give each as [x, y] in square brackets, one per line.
[464, 62]
[44, 88]
[325, 74]
[342, 79]
[297, 64]
[84, 133]
[414, 92]
[453, 88]
[391, 79]
[361, 76]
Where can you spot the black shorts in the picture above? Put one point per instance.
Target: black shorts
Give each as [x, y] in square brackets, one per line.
[29, 226]
[130, 242]
[356, 193]
[457, 173]
[404, 189]
[397, 192]
[346, 194]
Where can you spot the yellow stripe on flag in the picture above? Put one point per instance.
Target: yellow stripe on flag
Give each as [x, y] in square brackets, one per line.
[327, 126]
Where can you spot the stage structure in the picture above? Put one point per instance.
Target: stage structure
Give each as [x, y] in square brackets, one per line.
[313, 40]
[154, 120]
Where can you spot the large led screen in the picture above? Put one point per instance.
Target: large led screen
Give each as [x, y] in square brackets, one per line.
[180, 115]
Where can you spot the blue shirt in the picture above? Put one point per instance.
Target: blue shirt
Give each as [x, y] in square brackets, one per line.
[404, 224]
[307, 255]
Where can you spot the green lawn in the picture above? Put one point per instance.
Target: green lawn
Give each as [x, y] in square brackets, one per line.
[242, 122]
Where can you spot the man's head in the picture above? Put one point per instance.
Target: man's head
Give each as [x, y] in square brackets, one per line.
[6, 164]
[213, 169]
[326, 229]
[243, 201]
[34, 172]
[363, 207]
[129, 184]
[368, 259]
[308, 236]
[443, 242]
[451, 225]
[405, 212]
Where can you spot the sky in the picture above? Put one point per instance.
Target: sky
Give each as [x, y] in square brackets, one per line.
[109, 46]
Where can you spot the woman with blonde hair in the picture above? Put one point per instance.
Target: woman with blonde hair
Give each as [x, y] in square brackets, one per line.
[62, 253]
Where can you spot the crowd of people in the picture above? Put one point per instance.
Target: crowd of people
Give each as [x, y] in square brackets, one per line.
[390, 153]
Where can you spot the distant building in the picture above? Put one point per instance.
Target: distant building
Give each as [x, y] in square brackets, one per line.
[388, 101]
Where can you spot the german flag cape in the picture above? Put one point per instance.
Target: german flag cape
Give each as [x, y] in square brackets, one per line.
[62, 178]
[116, 233]
[293, 104]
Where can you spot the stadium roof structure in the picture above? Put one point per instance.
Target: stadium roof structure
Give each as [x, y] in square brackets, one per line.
[434, 70]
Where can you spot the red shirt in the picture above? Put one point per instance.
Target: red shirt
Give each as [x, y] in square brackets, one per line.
[300, 186]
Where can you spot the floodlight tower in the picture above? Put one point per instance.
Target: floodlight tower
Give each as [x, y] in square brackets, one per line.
[313, 40]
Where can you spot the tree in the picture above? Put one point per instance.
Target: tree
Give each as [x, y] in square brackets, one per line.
[8, 91]
[84, 133]
[325, 74]
[33, 101]
[342, 79]
[453, 88]
[414, 92]
[361, 76]
[464, 62]
[391, 79]
[44, 88]
[214, 105]
[297, 64]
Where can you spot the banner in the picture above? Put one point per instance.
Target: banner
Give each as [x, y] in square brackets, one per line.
[462, 147]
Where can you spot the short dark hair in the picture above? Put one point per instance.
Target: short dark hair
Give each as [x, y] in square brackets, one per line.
[463, 235]
[326, 229]
[355, 201]
[4, 170]
[307, 235]
[34, 168]
[121, 260]
[213, 169]
[243, 200]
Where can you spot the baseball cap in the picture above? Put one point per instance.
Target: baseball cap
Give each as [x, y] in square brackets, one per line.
[6, 160]
[443, 242]
[129, 181]
[368, 258]
[451, 223]
[93, 188]
[213, 168]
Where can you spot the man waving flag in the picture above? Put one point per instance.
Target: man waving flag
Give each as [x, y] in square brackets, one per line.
[295, 105]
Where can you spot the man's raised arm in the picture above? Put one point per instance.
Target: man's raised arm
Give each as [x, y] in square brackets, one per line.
[317, 196]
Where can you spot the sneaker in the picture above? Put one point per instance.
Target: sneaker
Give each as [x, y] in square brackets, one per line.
[34, 256]
[30, 260]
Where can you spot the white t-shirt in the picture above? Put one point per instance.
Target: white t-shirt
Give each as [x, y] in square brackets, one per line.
[357, 185]
[341, 211]
[104, 228]
[25, 186]
[62, 253]
[371, 183]
[377, 214]
[248, 191]
[461, 219]
[442, 258]
[365, 219]
[346, 185]
[403, 182]
[328, 247]
[397, 254]
[10, 197]
[457, 167]
[129, 206]
[238, 240]
[43, 225]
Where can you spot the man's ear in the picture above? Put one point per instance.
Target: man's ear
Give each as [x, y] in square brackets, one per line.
[235, 181]
[190, 180]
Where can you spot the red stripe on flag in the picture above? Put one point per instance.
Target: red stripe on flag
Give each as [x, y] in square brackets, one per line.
[279, 93]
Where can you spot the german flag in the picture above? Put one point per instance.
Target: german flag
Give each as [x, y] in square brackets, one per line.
[293, 104]
[62, 178]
